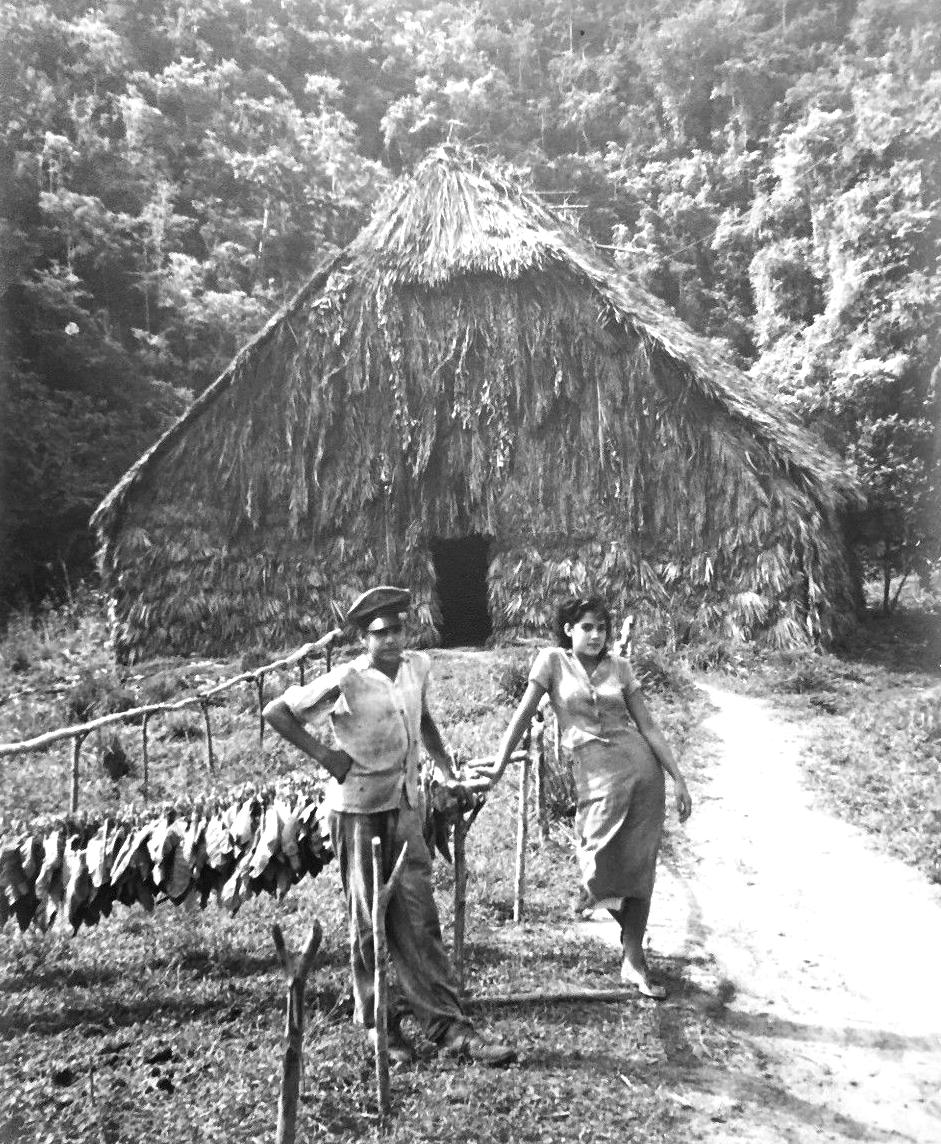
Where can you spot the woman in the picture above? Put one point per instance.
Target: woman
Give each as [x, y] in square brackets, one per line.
[619, 756]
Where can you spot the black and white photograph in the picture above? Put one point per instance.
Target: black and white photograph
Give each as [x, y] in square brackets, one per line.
[470, 571]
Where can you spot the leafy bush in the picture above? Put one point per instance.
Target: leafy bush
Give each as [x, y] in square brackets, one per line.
[183, 725]
[657, 671]
[559, 786]
[96, 694]
[808, 674]
[256, 657]
[114, 759]
[512, 679]
[162, 687]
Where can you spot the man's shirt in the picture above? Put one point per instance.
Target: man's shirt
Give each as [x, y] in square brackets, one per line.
[377, 721]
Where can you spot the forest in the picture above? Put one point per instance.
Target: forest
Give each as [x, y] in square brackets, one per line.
[172, 172]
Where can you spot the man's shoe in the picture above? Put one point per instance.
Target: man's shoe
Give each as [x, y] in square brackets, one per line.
[401, 1051]
[467, 1045]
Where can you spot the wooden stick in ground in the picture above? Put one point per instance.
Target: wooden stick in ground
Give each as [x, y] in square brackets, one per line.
[539, 764]
[522, 834]
[556, 743]
[460, 900]
[461, 827]
[210, 757]
[145, 757]
[76, 760]
[380, 901]
[623, 644]
[260, 695]
[296, 970]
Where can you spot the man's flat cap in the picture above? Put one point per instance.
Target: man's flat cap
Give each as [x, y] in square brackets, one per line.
[376, 602]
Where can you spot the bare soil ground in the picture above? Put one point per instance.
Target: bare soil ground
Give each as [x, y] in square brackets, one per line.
[823, 950]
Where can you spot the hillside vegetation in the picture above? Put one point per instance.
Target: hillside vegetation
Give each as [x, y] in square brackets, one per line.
[171, 173]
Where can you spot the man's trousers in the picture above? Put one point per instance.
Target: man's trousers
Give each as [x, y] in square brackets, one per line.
[426, 985]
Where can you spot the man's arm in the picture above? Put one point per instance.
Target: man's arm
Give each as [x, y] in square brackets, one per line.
[289, 727]
[434, 745]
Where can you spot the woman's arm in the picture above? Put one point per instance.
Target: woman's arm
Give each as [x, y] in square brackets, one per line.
[647, 726]
[520, 720]
[289, 727]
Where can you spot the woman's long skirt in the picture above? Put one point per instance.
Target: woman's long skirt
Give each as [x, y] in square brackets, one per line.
[619, 817]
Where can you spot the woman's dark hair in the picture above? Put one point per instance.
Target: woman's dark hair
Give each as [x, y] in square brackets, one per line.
[571, 610]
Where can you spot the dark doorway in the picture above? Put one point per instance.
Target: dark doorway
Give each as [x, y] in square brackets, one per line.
[461, 572]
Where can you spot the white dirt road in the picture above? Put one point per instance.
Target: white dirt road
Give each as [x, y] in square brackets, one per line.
[831, 952]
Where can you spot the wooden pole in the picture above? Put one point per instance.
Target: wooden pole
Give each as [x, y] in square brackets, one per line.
[145, 755]
[292, 1066]
[260, 695]
[522, 834]
[210, 759]
[461, 828]
[623, 644]
[556, 744]
[76, 753]
[41, 742]
[539, 761]
[380, 901]
[460, 900]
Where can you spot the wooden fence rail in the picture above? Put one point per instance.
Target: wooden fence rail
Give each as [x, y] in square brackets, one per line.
[200, 699]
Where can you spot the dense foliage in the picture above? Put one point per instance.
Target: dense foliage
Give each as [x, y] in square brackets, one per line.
[173, 172]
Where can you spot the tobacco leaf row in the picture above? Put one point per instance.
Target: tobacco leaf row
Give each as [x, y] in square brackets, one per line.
[254, 839]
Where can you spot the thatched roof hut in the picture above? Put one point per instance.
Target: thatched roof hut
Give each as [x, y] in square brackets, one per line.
[472, 401]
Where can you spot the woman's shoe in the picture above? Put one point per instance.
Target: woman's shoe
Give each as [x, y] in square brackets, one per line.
[584, 904]
[641, 981]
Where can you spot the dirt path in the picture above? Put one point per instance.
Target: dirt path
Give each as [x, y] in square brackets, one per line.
[830, 951]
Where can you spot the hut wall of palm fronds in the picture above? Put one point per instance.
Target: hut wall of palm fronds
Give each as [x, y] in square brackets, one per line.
[470, 366]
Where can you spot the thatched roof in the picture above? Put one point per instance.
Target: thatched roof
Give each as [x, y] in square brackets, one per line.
[413, 383]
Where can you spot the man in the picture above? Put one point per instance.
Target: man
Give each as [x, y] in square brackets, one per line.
[378, 707]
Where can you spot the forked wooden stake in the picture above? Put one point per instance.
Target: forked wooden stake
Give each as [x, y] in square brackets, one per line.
[295, 972]
[380, 901]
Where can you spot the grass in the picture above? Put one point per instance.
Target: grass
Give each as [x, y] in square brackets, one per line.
[167, 1027]
[873, 712]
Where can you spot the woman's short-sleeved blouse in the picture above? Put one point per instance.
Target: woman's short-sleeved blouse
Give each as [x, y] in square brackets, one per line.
[588, 707]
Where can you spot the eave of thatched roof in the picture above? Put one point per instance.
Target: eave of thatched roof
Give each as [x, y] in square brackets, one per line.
[107, 514]
[709, 371]
[457, 217]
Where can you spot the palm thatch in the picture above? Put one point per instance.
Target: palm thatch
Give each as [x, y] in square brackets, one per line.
[470, 365]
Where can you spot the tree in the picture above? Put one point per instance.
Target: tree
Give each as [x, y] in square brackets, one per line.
[848, 287]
